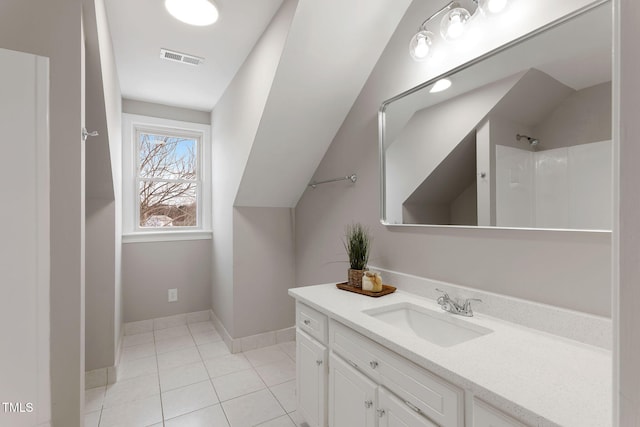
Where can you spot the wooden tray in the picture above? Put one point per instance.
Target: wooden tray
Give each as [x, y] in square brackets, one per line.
[386, 290]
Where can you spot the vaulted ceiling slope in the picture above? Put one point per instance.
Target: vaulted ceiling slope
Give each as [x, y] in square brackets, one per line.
[140, 28]
[330, 50]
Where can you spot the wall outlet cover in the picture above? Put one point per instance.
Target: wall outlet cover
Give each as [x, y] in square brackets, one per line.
[173, 295]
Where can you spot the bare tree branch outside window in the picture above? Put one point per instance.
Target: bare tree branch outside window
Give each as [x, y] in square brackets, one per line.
[168, 181]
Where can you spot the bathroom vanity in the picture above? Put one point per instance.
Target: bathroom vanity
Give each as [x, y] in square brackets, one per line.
[400, 360]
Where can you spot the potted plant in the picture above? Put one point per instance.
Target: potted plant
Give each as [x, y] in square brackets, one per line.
[357, 245]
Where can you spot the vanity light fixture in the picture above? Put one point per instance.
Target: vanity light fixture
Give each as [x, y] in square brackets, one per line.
[455, 18]
[440, 85]
[193, 12]
[493, 6]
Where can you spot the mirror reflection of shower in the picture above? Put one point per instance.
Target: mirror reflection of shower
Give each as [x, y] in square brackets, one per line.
[532, 141]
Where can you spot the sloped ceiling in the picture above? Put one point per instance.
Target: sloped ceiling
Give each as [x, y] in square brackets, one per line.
[330, 51]
[140, 28]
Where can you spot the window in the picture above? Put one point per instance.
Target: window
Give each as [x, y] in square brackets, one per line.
[165, 179]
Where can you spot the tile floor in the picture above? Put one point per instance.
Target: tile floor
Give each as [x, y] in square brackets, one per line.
[186, 376]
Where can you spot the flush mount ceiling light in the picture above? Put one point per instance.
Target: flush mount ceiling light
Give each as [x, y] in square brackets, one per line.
[455, 19]
[193, 12]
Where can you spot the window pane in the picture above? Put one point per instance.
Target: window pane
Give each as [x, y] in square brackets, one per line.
[168, 204]
[167, 157]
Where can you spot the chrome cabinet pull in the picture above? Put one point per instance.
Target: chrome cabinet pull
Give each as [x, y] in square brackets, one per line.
[354, 364]
[368, 404]
[318, 362]
[413, 407]
[381, 413]
[307, 322]
[373, 364]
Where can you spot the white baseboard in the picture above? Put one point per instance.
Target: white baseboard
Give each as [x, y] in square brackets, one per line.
[252, 342]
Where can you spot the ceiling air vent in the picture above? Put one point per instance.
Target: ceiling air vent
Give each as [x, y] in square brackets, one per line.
[172, 55]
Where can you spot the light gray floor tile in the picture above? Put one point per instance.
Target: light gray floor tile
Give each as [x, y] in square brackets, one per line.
[283, 421]
[91, 419]
[177, 358]
[277, 373]
[266, 355]
[138, 413]
[137, 368]
[132, 389]
[237, 384]
[173, 332]
[213, 350]
[286, 395]
[137, 339]
[212, 416]
[182, 376]
[93, 399]
[252, 409]
[226, 365]
[188, 399]
[139, 351]
[174, 344]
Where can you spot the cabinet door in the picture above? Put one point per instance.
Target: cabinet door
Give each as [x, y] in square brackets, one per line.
[352, 396]
[393, 412]
[311, 370]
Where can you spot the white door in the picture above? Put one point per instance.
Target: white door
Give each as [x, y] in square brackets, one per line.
[352, 396]
[392, 412]
[311, 370]
[24, 245]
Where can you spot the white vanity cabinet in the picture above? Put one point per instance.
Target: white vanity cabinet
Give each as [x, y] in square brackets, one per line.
[393, 412]
[352, 396]
[487, 416]
[311, 365]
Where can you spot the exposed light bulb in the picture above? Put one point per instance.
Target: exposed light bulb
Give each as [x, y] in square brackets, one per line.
[454, 23]
[496, 6]
[193, 12]
[440, 85]
[420, 45]
[422, 48]
[456, 27]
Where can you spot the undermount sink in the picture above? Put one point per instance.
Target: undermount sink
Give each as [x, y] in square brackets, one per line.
[441, 328]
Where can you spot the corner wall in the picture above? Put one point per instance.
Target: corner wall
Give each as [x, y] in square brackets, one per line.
[54, 30]
[234, 123]
[548, 267]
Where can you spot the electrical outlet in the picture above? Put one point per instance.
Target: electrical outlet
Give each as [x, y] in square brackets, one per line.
[173, 295]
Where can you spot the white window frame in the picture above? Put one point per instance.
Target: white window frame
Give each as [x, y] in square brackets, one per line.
[132, 126]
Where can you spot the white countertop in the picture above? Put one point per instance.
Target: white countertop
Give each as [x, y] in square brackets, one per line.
[544, 379]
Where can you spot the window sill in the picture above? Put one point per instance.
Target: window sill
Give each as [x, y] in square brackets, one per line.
[166, 236]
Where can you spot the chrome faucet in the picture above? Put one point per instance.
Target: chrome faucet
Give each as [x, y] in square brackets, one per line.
[454, 306]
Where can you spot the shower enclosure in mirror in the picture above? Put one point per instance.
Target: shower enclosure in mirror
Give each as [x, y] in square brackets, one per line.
[522, 138]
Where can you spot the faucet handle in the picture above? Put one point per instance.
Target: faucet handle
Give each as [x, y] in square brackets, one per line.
[444, 298]
[467, 304]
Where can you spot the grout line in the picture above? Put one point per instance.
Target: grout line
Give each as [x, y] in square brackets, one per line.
[158, 369]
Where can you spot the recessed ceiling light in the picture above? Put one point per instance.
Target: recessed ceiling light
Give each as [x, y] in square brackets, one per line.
[442, 84]
[193, 12]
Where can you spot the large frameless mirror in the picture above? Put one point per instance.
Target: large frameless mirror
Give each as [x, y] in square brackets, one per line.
[521, 138]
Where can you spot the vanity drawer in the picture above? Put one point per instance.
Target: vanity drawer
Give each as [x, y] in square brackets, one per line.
[426, 393]
[312, 322]
[487, 416]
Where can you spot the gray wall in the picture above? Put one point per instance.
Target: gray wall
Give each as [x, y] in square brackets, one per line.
[549, 267]
[53, 29]
[264, 268]
[234, 123]
[150, 269]
[103, 297]
[583, 117]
